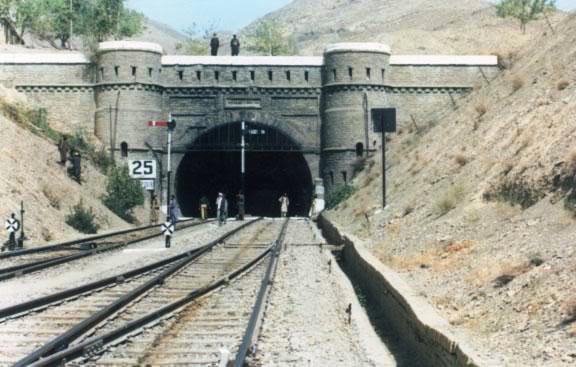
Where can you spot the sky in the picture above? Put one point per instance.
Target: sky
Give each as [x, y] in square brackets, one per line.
[226, 15]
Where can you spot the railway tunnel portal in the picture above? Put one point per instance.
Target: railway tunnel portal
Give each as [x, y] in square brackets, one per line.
[274, 164]
[313, 113]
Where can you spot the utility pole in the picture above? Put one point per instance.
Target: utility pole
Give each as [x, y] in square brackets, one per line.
[384, 121]
[243, 158]
[21, 241]
[171, 126]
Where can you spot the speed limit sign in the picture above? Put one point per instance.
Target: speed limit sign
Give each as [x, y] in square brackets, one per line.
[143, 168]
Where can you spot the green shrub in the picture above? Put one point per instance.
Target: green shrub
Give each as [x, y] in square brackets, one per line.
[338, 195]
[515, 192]
[102, 160]
[122, 193]
[82, 219]
[358, 165]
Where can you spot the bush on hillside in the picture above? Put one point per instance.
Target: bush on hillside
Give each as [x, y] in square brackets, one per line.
[338, 195]
[82, 219]
[122, 193]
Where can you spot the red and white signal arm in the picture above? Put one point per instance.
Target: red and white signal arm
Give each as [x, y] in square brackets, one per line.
[142, 168]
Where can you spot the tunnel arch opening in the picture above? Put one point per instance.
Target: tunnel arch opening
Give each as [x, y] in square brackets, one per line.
[274, 164]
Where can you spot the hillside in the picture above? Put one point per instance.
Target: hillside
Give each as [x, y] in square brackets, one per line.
[30, 172]
[481, 213]
[409, 27]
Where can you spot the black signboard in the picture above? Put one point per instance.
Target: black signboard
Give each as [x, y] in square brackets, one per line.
[384, 117]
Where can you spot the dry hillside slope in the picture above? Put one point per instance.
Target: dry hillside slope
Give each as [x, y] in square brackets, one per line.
[482, 204]
[30, 172]
[409, 27]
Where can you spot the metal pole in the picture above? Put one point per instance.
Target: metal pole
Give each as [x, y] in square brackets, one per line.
[243, 158]
[383, 165]
[21, 242]
[169, 170]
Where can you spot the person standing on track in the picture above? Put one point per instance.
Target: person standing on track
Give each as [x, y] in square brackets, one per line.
[173, 210]
[221, 208]
[240, 203]
[154, 208]
[203, 207]
[284, 203]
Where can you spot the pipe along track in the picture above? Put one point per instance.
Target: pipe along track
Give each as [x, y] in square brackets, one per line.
[66, 252]
[182, 282]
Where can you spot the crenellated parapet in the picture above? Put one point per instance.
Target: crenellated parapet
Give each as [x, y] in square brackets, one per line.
[323, 102]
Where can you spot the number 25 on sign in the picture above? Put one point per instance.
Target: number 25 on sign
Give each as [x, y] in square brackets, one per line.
[144, 168]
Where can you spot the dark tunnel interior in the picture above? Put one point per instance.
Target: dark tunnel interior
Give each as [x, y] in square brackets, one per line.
[270, 171]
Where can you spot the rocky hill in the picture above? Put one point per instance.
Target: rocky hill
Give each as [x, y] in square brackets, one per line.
[409, 27]
[31, 173]
[481, 208]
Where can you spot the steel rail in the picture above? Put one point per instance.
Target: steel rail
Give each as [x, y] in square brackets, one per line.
[64, 340]
[94, 344]
[258, 310]
[19, 270]
[65, 244]
[28, 306]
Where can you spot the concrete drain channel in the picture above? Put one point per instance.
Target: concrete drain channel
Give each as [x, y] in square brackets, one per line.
[379, 318]
[411, 329]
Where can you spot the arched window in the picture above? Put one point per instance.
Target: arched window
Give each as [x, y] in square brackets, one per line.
[124, 149]
[359, 149]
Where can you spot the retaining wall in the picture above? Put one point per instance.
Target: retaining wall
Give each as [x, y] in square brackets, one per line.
[410, 317]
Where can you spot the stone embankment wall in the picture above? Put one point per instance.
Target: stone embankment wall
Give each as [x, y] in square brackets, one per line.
[421, 329]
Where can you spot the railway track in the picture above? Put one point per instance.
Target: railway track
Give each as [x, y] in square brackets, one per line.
[22, 262]
[163, 300]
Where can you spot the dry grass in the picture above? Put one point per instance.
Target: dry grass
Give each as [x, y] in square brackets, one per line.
[517, 83]
[54, 199]
[569, 309]
[562, 85]
[509, 273]
[451, 198]
[481, 109]
[460, 160]
[46, 234]
[436, 259]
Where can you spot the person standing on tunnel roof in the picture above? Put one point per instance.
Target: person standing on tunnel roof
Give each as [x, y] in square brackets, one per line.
[284, 203]
[214, 45]
[235, 45]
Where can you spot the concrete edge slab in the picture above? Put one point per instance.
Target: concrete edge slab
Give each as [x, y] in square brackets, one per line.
[433, 332]
[373, 347]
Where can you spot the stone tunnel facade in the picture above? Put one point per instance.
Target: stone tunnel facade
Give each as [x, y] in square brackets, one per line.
[321, 103]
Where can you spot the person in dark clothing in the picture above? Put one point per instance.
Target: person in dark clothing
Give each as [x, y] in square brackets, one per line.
[63, 149]
[173, 210]
[235, 46]
[76, 170]
[240, 203]
[214, 45]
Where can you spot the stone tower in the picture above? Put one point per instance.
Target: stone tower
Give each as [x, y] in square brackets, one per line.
[353, 82]
[128, 91]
